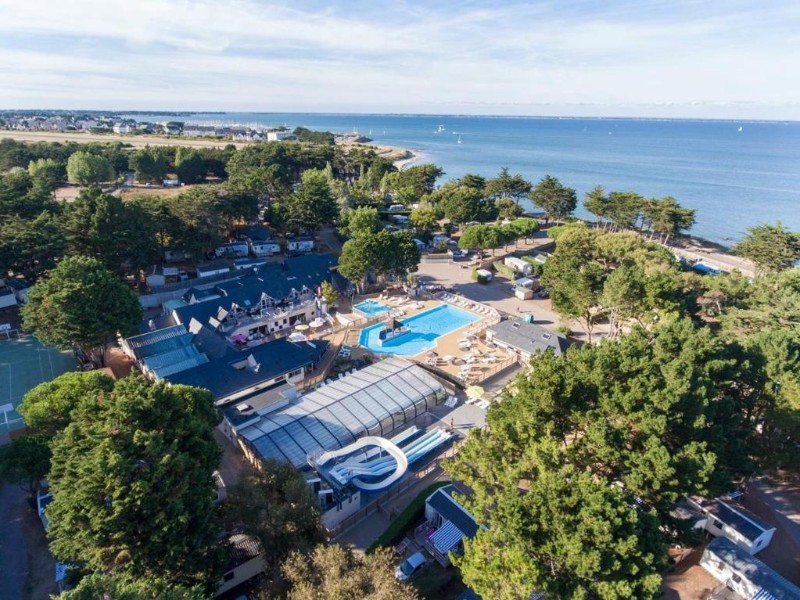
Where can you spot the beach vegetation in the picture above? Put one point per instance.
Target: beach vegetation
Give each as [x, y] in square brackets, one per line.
[771, 248]
[507, 186]
[555, 199]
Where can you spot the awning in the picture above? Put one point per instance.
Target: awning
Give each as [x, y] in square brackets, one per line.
[763, 594]
[446, 537]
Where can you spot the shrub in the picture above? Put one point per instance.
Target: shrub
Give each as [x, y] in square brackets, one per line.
[406, 519]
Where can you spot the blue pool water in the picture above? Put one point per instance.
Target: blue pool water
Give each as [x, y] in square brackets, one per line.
[425, 328]
[371, 308]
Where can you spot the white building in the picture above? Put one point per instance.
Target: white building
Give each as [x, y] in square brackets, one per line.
[265, 247]
[245, 561]
[725, 517]
[300, 245]
[122, 128]
[745, 574]
[277, 136]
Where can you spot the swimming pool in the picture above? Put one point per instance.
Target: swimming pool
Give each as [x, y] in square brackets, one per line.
[425, 328]
[371, 308]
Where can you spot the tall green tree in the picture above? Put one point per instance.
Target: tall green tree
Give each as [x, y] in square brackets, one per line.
[81, 304]
[568, 535]
[25, 460]
[149, 164]
[363, 220]
[557, 200]
[50, 172]
[190, 166]
[770, 247]
[47, 408]
[506, 185]
[100, 586]
[277, 506]
[85, 168]
[31, 246]
[132, 486]
[424, 219]
[623, 428]
[313, 205]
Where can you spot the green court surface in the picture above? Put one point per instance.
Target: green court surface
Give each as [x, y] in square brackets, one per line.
[25, 363]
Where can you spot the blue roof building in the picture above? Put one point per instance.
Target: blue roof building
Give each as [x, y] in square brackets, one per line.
[237, 375]
[744, 573]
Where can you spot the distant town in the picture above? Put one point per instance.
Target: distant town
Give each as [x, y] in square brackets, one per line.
[105, 123]
[273, 369]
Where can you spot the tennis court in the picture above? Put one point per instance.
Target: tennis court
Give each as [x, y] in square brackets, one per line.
[24, 364]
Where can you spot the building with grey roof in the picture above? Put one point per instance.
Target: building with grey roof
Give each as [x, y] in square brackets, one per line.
[725, 517]
[164, 352]
[237, 375]
[526, 339]
[275, 297]
[744, 573]
[450, 522]
[375, 400]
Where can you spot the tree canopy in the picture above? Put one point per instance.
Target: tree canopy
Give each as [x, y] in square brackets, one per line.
[313, 205]
[608, 436]
[132, 486]
[277, 506]
[334, 572]
[98, 586]
[557, 200]
[85, 168]
[770, 247]
[81, 304]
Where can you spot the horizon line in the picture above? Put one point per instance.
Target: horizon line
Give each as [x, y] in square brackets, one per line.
[405, 114]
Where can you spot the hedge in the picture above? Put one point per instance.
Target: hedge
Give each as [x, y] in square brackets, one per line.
[412, 513]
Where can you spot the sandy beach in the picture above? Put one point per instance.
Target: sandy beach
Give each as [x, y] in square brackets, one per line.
[401, 157]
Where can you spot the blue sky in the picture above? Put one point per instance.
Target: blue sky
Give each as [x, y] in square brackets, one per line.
[726, 59]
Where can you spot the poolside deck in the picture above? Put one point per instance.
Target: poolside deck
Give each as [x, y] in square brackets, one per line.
[462, 353]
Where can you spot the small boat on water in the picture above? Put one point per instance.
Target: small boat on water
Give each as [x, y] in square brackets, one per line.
[459, 139]
[440, 129]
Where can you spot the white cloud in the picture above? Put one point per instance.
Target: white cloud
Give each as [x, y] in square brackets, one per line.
[248, 55]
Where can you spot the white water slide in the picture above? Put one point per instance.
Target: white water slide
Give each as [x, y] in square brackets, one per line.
[400, 466]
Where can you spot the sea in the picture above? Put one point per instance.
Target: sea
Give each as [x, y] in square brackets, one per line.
[736, 174]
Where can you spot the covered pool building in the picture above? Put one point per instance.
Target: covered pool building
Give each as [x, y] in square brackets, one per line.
[375, 400]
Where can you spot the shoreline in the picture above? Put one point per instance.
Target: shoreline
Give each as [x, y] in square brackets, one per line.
[400, 157]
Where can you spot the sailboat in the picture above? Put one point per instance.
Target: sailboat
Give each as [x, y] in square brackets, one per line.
[440, 129]
[459, 139]
[740, 129]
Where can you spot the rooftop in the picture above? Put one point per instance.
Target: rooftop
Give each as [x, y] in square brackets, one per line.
[443, 502]
[735, 516]
[242, 413]
[242, 549]
[375, 400]
[275, 280]
[755, 571]
[236, 372]
[529, 337]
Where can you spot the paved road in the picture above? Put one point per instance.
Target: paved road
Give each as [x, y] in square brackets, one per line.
[497, 294]
[13, 542]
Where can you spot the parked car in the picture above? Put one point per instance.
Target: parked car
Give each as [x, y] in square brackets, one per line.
[410, 567]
